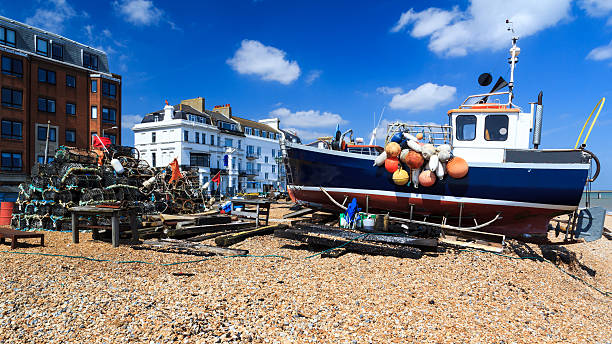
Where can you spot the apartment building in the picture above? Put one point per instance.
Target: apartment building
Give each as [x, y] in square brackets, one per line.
[202, 139]
[51, 84]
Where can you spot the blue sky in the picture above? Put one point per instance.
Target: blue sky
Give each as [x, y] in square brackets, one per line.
[317, 63]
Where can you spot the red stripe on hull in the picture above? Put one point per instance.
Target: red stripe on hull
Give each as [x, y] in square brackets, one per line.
[515, 221]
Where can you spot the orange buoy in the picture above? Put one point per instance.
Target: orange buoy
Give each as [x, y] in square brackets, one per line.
[400, 177]
[457, 167]
[427, 178]
[419, 136]
[414, 159]
[393, 149]
[391, 165]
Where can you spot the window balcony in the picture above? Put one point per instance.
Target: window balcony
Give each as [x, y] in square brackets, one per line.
[252, 155]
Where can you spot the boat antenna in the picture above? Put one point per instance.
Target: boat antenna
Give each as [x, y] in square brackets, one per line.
[513, 60]
[373, 138]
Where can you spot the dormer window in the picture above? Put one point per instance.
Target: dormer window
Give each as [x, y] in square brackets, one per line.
[57, 51]
[90, 61]
[7, 36]
[42, 46]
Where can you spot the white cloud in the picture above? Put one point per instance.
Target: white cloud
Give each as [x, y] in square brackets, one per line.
[307, 119]
[603, 52]
[312, 76]
[424, 97]
[267, 62]
[129, 121]
[482, 25]
[596, 8]
[389, 90]
[52, 17]
[139, 12]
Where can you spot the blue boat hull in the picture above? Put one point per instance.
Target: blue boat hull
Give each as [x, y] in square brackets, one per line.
[527, 195]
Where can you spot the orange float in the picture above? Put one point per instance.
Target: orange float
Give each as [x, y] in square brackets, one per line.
[427, 178]
[414, 159]
[391, 165]
[457, 167]
[393, 149]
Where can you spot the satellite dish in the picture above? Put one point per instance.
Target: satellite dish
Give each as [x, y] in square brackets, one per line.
[485, 79]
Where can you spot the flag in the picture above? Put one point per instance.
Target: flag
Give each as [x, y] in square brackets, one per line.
[101, 142]
[176, 172]
[217, 178]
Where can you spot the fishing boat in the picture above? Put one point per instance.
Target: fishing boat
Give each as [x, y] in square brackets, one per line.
[512, 186]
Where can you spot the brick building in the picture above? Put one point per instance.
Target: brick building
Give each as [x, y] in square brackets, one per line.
[47, 79]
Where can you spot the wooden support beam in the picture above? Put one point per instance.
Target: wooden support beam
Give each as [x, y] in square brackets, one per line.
[230, 239]
[189, 231]
[186, 247]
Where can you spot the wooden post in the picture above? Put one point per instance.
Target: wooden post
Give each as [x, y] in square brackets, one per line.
[133, 226]
[257, 216]
[115, 229]
[75, 228]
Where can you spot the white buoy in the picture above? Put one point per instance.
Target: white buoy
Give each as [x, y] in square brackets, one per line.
[440, 170]
[380, 160]
[410, 137]
[433, 163]
[206, 185]
[117, 166]
[415, 146]
[414, 175]
[147, 183]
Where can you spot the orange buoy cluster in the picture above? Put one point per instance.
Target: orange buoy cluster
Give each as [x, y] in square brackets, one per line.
[418, 162]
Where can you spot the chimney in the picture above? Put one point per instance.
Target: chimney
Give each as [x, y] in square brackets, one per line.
[168, 112]
[225, 110]
[196, 103]
[272, 122]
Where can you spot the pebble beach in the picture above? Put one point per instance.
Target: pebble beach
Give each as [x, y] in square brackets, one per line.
[122, 295]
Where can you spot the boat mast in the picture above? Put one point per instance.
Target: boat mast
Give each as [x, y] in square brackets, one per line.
[513, 60]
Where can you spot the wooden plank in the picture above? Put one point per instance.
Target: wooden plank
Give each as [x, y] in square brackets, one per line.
[195, 230]
[230, 239]
[352, 246]
[182, 246]
[249, 214]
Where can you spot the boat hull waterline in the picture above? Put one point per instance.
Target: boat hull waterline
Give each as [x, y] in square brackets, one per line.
[528, 195]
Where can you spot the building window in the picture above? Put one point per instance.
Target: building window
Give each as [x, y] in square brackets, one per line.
[273, 169]
[153, 138]
[229, 143]
[264, 133]
[496, 128]
[42, 46]
[70, 136]
[47, 76]
[112, 138]
[94, 112]
[197, 137]
[212, 140]
[199, 159]
[11, 66]
[71, 109]
[203, 138]
[57, 51]
[46, 105]
[266, 175]
[248, 130]
[153, 159]
[256, 131]
[42, 134]
[11, 161]
[239, 144]
[250, 150]
[258, 168]
[90, 61]
[273, 152]
[266, 159]
[94, 86]
[466, 127]
[186, 136]
[70, 81]
[258, 151]
[109, 115]
[109, 89]
[12, 98]
[7, 36]
[12, 130]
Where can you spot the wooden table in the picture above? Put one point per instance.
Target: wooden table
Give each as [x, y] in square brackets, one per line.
[113, 213]
[261, 209]
[14, 235]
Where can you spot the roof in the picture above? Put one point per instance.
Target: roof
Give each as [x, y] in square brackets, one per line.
[253, 124]
[180, 111]
[484, 110]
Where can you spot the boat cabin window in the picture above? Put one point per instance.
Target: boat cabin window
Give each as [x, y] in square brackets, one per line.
[466, 127]
[496, 128]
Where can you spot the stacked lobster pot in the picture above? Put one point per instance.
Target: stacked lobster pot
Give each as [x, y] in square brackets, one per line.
[78, 177]
[413, 162]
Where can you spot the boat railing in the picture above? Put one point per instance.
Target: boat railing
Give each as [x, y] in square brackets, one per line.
[436, 134]
[477, 100]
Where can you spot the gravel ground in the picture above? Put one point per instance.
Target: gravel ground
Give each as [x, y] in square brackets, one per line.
[456, 296]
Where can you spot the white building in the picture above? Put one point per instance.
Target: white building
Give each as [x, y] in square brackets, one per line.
[200, 139]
